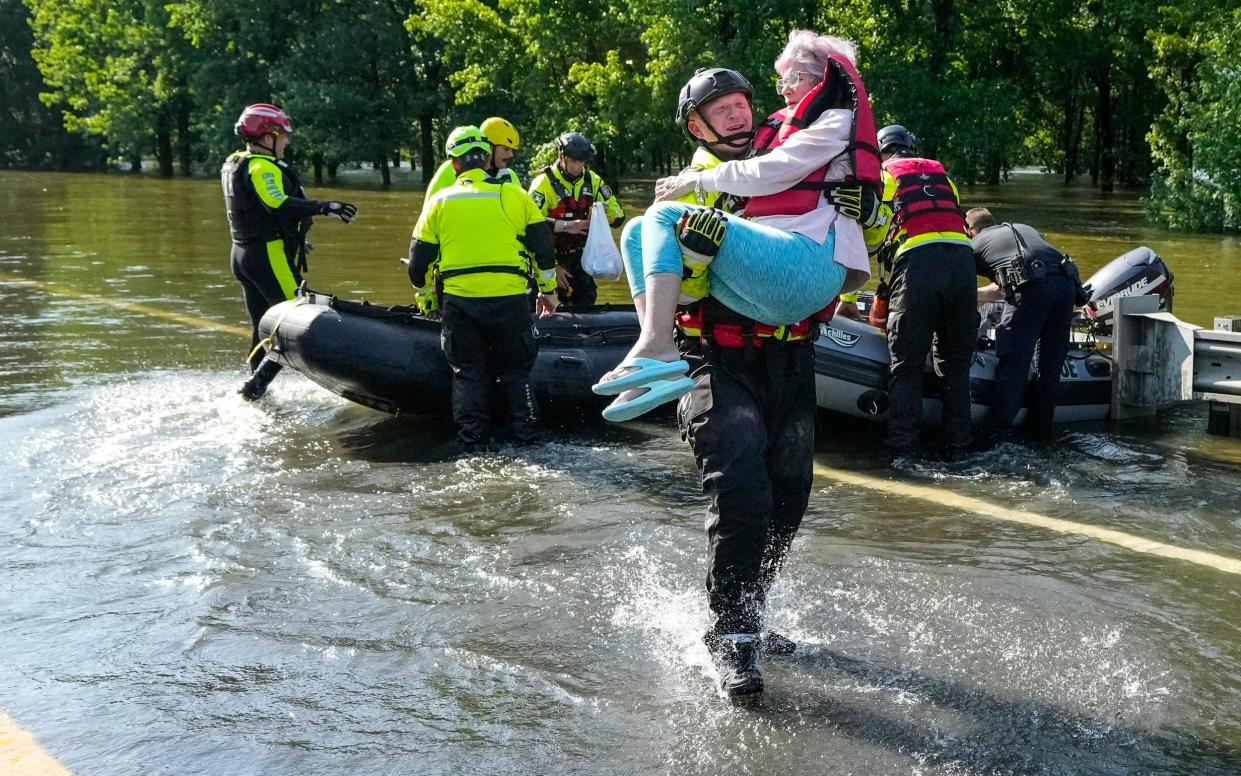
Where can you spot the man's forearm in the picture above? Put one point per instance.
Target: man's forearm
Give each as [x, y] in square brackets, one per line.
[538, 241]
[421, 256]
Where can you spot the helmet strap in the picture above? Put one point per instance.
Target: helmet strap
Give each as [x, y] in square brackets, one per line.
[736, 142]
[270, 149]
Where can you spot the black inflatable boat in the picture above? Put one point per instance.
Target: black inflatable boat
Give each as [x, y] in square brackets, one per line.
[390, 358]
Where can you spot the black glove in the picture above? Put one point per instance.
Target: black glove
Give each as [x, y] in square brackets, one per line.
[342, 210]
[701, 232]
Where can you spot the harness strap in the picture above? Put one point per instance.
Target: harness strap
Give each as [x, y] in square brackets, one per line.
[503, 269]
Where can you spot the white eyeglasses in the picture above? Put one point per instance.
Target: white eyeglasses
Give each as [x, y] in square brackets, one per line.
[794, 79]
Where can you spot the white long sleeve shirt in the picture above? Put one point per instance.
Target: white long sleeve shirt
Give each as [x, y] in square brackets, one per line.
[804, 152]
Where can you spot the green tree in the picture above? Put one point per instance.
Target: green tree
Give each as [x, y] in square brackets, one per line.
[1197, 182]
[31, 134]
[116, 70]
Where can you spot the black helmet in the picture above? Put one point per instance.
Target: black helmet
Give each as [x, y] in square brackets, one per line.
[575, 146]
[706, 85]
[896, 139]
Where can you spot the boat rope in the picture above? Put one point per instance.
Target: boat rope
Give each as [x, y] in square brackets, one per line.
[267, 341]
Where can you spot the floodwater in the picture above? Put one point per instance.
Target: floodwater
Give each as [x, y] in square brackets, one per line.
[190, 584]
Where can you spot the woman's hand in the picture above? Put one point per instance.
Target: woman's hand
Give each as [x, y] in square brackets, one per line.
[676, 186]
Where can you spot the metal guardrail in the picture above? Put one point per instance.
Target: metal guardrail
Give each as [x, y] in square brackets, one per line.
[1162, 360]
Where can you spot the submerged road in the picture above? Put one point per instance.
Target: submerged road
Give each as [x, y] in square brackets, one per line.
[192, 584]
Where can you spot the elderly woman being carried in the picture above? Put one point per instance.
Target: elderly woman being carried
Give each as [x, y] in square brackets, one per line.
[796, 245]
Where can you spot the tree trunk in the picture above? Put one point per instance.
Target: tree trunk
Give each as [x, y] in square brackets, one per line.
[317, 160]
[331, 170]
[396, 158]
[1107, 130]
[1073, 160]
[385, 172]
[135, 161]
[941, 12]
[1094, 155]
[185, 146]
[1066, 139]
[427, 146]
[994, 166]
[163, 144]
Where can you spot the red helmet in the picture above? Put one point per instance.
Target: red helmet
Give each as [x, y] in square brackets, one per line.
[262, 118]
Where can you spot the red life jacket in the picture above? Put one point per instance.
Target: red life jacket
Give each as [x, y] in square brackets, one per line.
[569, 246]
[841, 87]
[566, 205]
[924, 200]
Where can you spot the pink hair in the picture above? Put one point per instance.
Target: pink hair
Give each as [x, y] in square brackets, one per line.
[811, 51]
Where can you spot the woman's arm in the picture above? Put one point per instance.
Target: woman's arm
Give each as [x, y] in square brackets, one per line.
[803, 153]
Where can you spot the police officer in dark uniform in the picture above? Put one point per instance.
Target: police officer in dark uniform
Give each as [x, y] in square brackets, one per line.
[268, 218]
[1040, 285]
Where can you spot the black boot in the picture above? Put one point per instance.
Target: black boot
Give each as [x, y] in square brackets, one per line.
[254, 388]
[736, 658]
[776, 644]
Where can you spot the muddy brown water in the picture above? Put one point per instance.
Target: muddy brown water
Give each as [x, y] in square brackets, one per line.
[191, 584]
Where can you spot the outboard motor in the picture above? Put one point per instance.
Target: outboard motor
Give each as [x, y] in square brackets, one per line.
[1136, 273]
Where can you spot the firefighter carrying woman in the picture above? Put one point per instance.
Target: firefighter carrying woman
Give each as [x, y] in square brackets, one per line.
[747, 250]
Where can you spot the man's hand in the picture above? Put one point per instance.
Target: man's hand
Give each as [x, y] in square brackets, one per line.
[848, 310]
[700, 233]
[564, 279]
[545, 305]
[991, 293]
[342, 210]
[427, 301]
[676, 186]
[856, 202]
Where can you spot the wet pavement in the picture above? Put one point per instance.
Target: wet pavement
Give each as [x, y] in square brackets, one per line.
[193, 584]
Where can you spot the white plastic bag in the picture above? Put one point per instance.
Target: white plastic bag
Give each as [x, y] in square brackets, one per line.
[601, 258]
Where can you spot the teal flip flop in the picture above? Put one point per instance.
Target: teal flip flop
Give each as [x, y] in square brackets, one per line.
[645, 370]
[653, 394]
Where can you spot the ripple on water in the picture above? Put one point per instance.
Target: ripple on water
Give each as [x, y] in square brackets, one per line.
[286, 573]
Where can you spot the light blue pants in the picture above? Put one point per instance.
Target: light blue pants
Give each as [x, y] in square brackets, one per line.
[769, 275]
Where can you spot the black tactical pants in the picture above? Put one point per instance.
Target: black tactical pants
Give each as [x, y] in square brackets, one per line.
[254, 266]
[489, 342]
[1041, 315]
[933, 303]
[582, 291]
[750, 421]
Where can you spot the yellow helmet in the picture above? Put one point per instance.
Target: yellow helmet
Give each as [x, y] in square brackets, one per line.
[501, 132]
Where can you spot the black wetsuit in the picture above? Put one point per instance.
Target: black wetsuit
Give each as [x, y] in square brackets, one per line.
[268, 230]
[750, 421]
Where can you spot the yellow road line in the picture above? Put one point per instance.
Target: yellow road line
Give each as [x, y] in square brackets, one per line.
[947, 498]
[157, 312]
[21, 755]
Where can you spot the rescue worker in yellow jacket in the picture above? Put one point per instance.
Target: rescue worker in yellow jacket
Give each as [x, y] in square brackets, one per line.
[480, 232]
[504, 140]
[268, 218]
[565, 192]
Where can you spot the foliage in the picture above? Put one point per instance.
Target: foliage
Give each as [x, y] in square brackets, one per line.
[30, 132]
[1130, 91]
[1197, 184]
